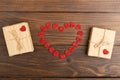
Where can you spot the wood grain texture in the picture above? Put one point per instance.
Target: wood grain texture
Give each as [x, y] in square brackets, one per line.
[87, 20]
[82, 79]
[40, 65]
[77, 65]
[61, 5]
[59, 78]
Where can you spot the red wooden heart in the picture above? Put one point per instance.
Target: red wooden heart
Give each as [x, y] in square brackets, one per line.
[23, 28]
[105, 51]
[55, 26]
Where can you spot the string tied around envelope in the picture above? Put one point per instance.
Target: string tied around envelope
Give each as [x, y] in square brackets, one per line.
[102, 42]
[16, 37]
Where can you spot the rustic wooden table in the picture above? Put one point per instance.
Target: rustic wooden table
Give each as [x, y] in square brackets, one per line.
[40, 64]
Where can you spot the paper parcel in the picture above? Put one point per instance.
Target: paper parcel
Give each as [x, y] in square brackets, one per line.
[18, 38]
[101, 43]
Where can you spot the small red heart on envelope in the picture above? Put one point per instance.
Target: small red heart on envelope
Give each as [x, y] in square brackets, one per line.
[105, 51]
[55, 26]
[23, 28]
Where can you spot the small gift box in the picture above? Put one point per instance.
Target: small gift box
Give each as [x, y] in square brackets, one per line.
[101, 43]
[18, 38]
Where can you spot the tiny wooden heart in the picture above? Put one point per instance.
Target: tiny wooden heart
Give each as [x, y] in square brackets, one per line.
[55, 26]
[23, 28]
[105, 51]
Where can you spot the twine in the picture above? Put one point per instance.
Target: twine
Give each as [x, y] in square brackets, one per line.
[17, 39]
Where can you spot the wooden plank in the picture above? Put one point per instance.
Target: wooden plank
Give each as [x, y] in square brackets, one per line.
[87, 20]
[80, 78]
[59, 78]
[61, 5]
[42, 64]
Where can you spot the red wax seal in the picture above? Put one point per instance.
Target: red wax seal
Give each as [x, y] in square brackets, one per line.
[80, 33]
[43, 28]
[67, 25]
[46, 45]
[23, 28]
[56, 53]
[42, 40]
[67, 53]
[78, 27]
[62, 56]
[105, 51]
[78, 39]
[51, 49]
[75, 44]
[61, 29]
[48, 25]
[41, 33]
[54, 26]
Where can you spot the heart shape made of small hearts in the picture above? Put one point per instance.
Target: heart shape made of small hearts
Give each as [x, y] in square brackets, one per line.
[55, 26]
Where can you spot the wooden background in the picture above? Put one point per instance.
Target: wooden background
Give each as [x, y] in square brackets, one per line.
[40, 64]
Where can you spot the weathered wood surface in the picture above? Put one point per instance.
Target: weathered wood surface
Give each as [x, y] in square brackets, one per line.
[61, 5]
[87, 20]
[59, 78]
[40, 64]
